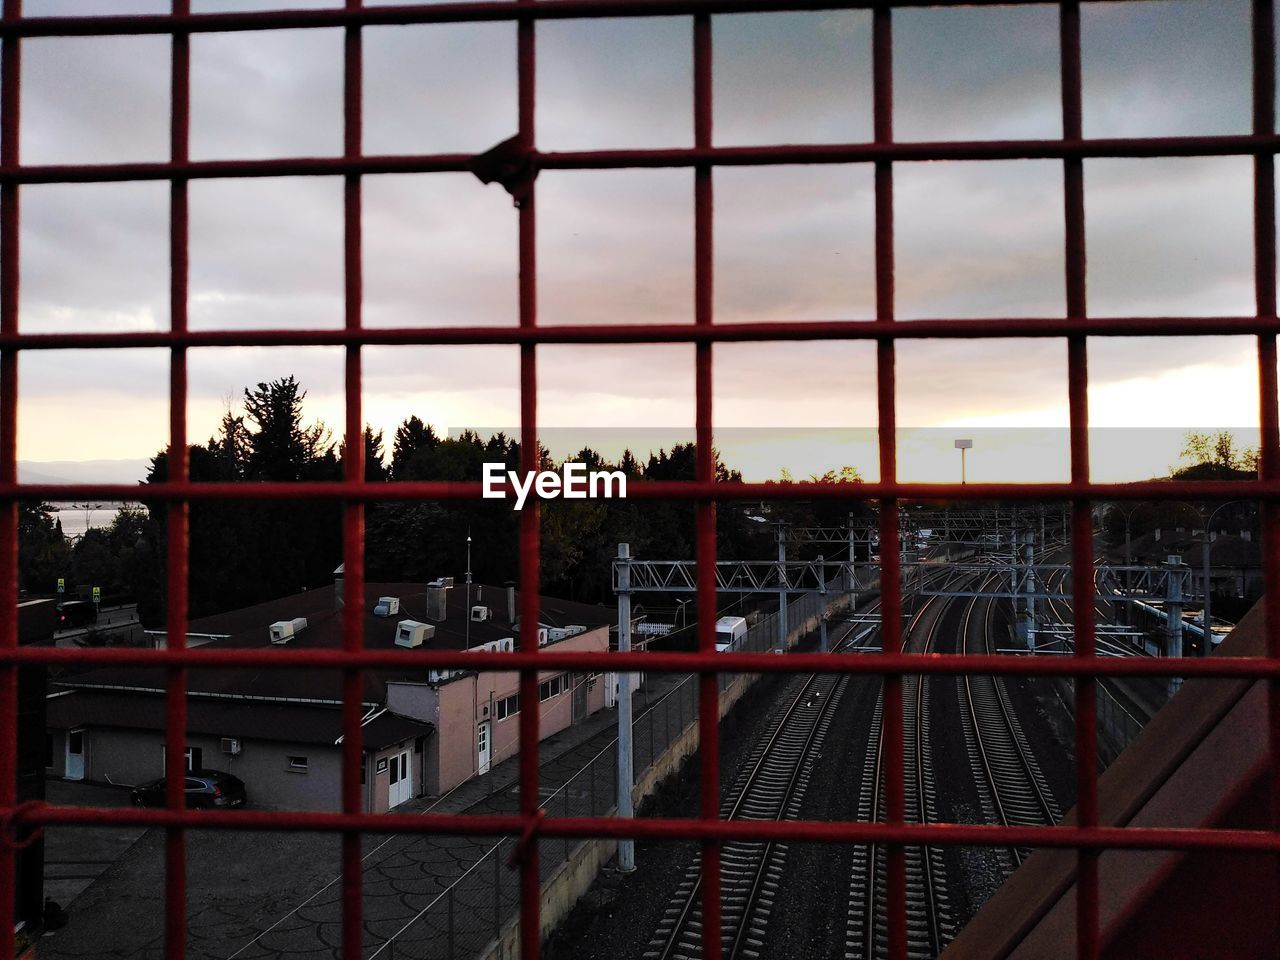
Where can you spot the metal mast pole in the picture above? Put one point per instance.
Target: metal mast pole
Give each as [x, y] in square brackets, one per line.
[1173, 607]
[822, 615]
[626, 774]
[782, 592]
[468, 589]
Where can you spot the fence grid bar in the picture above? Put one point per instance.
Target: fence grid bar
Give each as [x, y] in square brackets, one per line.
[710, 672]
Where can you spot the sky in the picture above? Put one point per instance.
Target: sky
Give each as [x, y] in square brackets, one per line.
[1169, 236]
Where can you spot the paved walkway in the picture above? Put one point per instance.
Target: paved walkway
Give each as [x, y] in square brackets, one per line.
[75, 857]
[253, 895]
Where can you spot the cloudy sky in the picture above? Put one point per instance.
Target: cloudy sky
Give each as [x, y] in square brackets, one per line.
[792, 243]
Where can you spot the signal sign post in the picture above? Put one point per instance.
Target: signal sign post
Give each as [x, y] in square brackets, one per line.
[62, 585]
[97, 596]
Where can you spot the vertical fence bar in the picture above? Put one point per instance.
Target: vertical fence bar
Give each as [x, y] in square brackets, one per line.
[890, 569]
[705, 517]
[177, 530]
[1087, 934]
[449, 922]
[353, 510]
[10, 77]
[497, 891]
[530, 922]
[1264, 272]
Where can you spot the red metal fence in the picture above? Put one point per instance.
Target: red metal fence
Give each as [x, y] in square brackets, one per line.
[521, 162]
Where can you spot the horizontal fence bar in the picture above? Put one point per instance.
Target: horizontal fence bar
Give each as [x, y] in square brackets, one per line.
[485, 10]
[934, 328]
[931, 834]
[851, 663]
[654, 490]
[672, 157]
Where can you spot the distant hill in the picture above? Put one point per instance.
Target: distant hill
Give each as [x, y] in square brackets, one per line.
[82, 471]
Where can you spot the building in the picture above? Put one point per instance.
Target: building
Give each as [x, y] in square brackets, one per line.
[36, 622]
[280, 731]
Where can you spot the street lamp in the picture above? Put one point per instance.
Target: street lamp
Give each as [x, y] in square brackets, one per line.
[962, 446]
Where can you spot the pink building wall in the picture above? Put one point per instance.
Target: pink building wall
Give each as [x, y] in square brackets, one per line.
[458, 706]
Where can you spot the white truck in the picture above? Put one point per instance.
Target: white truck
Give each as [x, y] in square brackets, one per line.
[729, 630]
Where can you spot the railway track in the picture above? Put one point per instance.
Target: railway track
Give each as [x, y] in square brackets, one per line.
[1009, 779]
[771, 787]
[929, 924]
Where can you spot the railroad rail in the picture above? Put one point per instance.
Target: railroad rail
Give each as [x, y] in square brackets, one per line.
[929, 924]
[771, 787]
[1003, 762]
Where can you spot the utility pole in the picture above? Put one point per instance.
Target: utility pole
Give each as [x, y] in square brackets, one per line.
[1206, 648]
[1029, 610]
[822, 614]
[782, 589]
[468, 589]
[1173, 607]
[626, 773]
[852, 574]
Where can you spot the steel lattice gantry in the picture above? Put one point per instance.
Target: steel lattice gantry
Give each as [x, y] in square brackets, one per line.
[733, 576]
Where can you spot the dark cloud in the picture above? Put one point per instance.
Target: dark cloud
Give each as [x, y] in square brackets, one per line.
[972, 239]
[792, 77]
[973, 74]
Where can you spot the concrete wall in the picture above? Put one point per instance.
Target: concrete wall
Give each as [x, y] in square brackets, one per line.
[134, 756]
[59, 768]
[570, 881]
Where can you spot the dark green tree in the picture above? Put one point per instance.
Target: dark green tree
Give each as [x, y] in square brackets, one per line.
[43, 555]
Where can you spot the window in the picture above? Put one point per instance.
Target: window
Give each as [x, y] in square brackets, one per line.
[509, 706]
[298, 764]
[192, 758]
[553, 687]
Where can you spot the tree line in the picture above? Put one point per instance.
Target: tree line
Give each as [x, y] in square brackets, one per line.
[245, 551]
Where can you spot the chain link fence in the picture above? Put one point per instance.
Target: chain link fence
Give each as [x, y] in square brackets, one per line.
[462, 919]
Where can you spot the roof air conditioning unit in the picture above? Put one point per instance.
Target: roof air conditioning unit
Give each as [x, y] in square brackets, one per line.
[282, 631]
[441, 582]
[230, 745]
[387, 607]
[411, 633]
[479, 613]
[556, 634]
[542, 636]
[573, 629]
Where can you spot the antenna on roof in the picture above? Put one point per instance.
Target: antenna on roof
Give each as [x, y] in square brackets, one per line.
[468, 588]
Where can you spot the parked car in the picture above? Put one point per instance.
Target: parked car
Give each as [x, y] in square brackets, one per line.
[204, 788]
[76, 613]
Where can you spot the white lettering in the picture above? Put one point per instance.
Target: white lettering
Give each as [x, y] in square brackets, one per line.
[576, 484]
[604, 483]
[522, 491]
[493, 475]
[548, 484]
[575, 481]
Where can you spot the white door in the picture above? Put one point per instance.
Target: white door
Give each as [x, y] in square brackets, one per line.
[75, 755]
[484, 747]
[401, 785]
